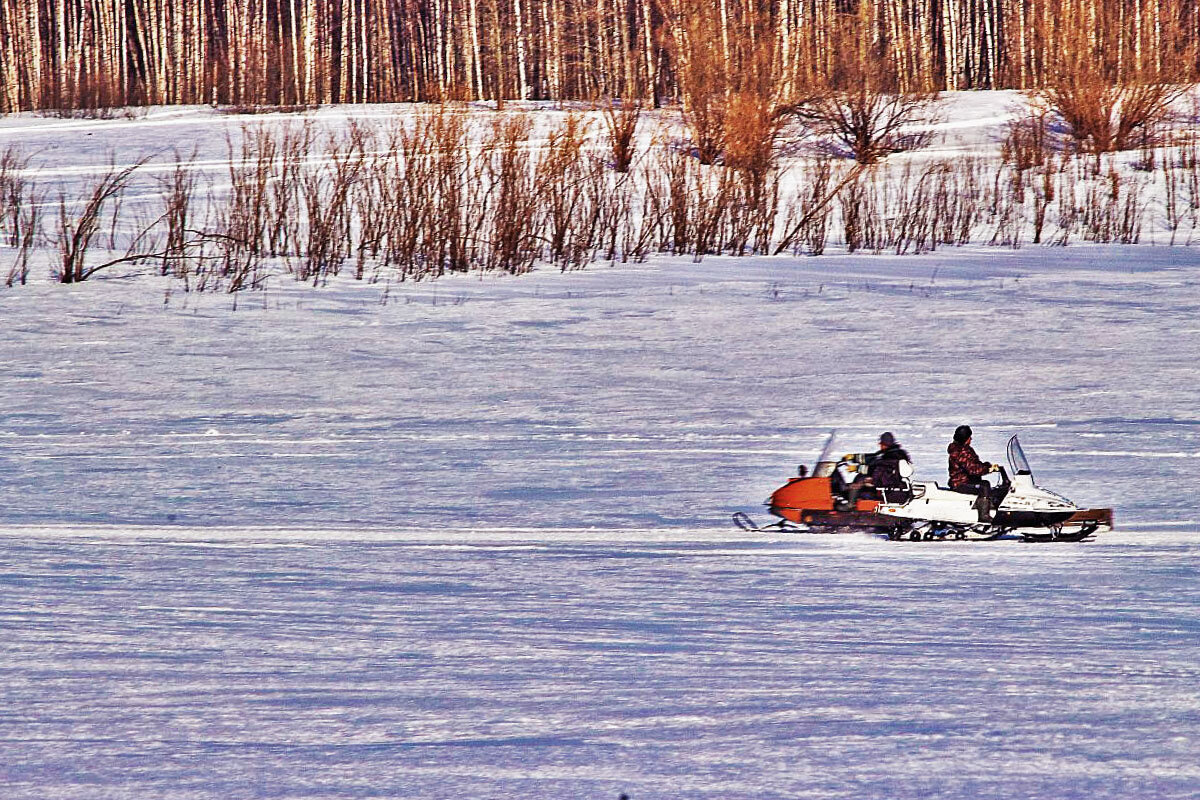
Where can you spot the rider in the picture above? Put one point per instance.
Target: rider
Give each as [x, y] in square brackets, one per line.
[967, 471]
[882, 469]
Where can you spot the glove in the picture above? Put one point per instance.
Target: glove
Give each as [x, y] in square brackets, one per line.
[852, 468]
[849, 457]
[993, 468]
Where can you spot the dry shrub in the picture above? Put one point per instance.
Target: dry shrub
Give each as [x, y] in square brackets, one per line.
[677, 173]
[513, 244]
[913, 210]
[20, 213]
[13, 186]
[1027, 140]
[808, 215]
[1187, 167]
[1113, 208]
[420, 201]
[1103, 118]
[621, 123]
[712, 195]
[178, 192]
[561, 187]
[863, 109]
[76, 231]
[403, 186]
[705, 75]
[251, 170]
[295, 143]
[234, 237]
[751, 130]
[326, 191]
[1106, 104]
[855, 215]
[871, 124]
[25, 232]
[457, 214]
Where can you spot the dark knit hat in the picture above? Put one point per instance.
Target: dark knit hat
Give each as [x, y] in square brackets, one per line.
[887, 439]
[962, 433]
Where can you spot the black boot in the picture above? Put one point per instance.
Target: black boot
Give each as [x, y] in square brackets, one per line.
[985, 507]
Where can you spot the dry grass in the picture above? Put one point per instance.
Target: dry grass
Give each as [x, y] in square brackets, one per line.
[428, 194]
[76, 232]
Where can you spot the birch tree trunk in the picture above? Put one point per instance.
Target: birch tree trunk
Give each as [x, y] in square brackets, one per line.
[522, 77]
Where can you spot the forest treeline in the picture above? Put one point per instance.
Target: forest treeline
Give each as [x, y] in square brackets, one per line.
[91, 54]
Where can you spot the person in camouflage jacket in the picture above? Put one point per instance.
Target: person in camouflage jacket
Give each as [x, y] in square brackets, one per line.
[967, 471]
[965, 466]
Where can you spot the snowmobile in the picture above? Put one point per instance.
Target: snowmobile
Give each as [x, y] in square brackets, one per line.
[923, 511]
[817, 500]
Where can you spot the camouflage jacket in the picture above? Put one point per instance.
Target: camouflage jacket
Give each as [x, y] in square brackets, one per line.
[965, 466]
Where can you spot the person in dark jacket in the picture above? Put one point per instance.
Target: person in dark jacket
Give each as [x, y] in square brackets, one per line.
[882, 469]
[967, 471]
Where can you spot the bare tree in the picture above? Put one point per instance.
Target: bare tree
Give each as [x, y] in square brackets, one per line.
[864, 110]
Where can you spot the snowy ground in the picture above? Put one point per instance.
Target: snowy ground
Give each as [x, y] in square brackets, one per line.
[663, 664]
[471, 538]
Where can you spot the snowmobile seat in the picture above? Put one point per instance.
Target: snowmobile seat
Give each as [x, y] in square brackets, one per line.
[896, 496]
[904, 492]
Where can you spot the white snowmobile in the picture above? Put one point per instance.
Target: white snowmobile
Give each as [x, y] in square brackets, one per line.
[924, 510]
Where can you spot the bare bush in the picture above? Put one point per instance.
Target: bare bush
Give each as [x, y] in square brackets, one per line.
[20, 213]
[26, 230]
[295, 143]
[326, 188]
[871, 124]
[457, 213]
[1044, 188]
[1108, 105]
[77, 230]
[13, 186]
[178, 193]
[807, 219]
[703, 79]
[238, 235]
[1103, 118]
[560, 186]
[1027, 140]
[676, 176]
[1189, 167]
[863, 109]
[1113, 209]
[406, 200]
[751, 131]
[621, 123]
[513, 244]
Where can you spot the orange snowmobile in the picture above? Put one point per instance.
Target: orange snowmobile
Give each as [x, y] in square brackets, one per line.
[817, 499]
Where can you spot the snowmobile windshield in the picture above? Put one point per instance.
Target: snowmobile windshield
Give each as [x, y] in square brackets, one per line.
[1016, 458]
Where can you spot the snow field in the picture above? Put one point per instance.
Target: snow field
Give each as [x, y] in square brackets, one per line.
[704, 666]
[471, 538]
[363, 542]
